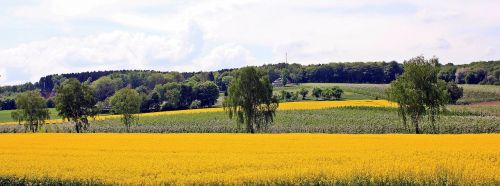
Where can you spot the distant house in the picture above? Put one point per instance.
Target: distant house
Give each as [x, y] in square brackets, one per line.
[278, 82]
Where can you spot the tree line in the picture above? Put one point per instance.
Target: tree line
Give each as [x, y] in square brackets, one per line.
[484, 72]
[419, 93]
[144, 81]
[78, 102]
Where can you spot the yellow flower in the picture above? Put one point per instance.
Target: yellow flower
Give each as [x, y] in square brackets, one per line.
[304, 105]
[235, 159]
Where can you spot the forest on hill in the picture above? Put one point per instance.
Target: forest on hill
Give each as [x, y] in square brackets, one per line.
[203, 87]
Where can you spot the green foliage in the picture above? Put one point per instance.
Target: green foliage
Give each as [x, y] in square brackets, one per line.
[316, 92]
[303, 92]
[295, 96]
[195, 104]
[207, 92]
[332, 93]
[76, 102]
[172, 96]
[447, 73]
[13, 180]
[285, 75]
[8, 103]
[126, 102]
[454, 91]
[32, 108]
[285, 95]
[16, 116]
[250, 98]
[225, 82]
[105, 87]
[367, 120]
[471, 94]
[419, 92]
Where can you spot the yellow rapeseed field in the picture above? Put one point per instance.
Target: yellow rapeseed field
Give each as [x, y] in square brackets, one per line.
[304, 105]
[234, 159]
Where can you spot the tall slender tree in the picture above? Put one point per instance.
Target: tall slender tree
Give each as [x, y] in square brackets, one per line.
[250, 99]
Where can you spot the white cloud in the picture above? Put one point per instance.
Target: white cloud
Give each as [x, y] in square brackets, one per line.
[224, 56]
[3, 75]
[115, 50]
[213, 34]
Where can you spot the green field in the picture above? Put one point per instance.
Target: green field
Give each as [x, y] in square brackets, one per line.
[338, 120]
[472, 93]
[351, 91]
[459, 118]
[5, 115]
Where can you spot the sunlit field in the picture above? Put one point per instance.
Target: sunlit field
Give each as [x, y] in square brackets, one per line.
[137, 159]
[307, 105]
[472, 93]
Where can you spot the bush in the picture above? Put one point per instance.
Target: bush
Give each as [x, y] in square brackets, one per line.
[195, 104]
[455, 92]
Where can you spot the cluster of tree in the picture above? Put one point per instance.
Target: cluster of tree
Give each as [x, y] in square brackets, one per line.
[7, 104]
[77, 102]
[106, 83]
[358, 72]
[132, 78]
[325, 94]
[173, 96]
[418, 91]
[18, 88]
[474, 73]
[289, 96]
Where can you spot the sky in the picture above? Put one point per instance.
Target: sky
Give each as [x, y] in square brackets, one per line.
[39, 38]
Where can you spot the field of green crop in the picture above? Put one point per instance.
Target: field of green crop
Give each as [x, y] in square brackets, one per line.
[472, 93]
[338, 120]
[480, 93]
[460, 118]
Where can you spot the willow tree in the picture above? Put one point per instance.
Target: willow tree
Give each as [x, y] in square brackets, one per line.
[250, 99]
[419, 92]
[32, 109]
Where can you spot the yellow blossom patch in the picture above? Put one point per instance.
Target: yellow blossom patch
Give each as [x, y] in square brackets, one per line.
[234, 159]
[303, 105]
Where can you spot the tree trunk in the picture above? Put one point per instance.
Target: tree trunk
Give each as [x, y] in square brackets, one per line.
[417, 126]
[415, 121]
[77, 127]
[32, 127]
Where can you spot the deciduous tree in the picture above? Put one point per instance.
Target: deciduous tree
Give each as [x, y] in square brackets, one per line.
[126, 102]
[207, 92]
[76, 102]
[303, 92]
[250, 99]
[32, 108]
[419, 92]
[454, 91]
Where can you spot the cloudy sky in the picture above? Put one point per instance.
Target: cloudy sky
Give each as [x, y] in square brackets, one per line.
[38, 38]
